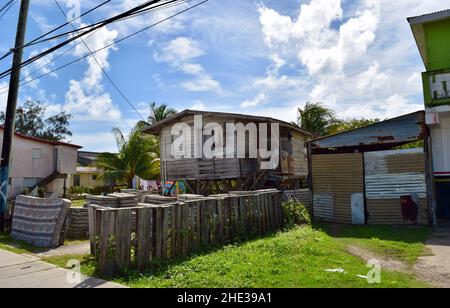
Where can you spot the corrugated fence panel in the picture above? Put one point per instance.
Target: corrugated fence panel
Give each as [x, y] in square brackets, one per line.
[338, 175]
[391, 175]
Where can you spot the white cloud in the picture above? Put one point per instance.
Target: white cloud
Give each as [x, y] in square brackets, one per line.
[86, 99]
[198, 105]
[94, 107]
[98, 142]
[4, 96]
[179, 54]
[180, 50]
[339, 50]
[256, 101]
[98, 40]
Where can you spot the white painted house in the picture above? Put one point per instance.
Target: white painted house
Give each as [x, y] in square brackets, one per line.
[40, 162]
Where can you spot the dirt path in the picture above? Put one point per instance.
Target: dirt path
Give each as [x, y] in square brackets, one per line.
[435, 269]
[389, 264]
[82, 248]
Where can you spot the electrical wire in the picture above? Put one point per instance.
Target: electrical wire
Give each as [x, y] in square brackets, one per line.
[7, 7]
[55, 29]
[109, 45]
[90, 28]
[102, 68]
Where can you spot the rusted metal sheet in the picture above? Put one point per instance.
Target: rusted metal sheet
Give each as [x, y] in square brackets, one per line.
[401, 130]
[339, 176]
[390, 177]
[393, 174]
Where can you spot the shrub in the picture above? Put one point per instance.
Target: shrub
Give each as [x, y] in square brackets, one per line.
[41, 192]
[295, 214]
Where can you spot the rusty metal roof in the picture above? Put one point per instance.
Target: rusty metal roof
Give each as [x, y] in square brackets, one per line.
[379, 136]
[156, 128]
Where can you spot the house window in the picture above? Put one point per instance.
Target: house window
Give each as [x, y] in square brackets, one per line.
[36, 153]
[94, 177]
[76, 181]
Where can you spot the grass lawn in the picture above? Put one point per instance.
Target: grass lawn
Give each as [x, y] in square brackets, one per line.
[292, 259]
[19, 247]
[78, 203]
[9, 244]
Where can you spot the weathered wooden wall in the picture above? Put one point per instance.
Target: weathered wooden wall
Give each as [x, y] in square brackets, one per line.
[166, 232]
[293, 156]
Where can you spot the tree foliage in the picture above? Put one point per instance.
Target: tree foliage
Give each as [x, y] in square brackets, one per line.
[316, 118]
[138, 156]
[159, 113]
[31, 121]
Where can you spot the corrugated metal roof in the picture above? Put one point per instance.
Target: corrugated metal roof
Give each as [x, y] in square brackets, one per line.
[156, 128]
[387, 134]
[430, 17]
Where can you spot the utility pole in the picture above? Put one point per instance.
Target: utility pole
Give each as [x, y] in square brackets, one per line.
[10, 118]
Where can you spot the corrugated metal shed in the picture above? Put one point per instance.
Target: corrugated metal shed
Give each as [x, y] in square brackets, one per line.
[379, 136]
[359, 177]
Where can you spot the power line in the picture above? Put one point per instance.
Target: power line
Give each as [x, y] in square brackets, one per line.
[7, 7]
[102, 24]
[79, 42]
[109, 45]
[57, 28]
[102, 68]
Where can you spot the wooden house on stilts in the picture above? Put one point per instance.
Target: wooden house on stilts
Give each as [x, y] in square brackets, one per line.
[239, 166]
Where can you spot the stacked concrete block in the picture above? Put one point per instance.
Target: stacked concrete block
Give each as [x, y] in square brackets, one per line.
[118, 200]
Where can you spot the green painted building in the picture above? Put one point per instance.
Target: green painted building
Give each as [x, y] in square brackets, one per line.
[432, 34]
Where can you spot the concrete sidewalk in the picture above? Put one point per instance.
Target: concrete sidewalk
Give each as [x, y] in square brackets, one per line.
[19, 271]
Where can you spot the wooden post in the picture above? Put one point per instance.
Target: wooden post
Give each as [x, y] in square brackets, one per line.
[92, 229]
[11, 106]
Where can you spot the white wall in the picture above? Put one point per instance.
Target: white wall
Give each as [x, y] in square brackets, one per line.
[33, 161]
[440, 135]
[23, 164]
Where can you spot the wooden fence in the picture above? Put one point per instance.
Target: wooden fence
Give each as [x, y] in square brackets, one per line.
[164, 232]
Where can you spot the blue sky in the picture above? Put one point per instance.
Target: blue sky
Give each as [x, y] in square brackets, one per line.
[256, 57]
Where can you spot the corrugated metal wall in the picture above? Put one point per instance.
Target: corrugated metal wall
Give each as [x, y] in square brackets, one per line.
[336, 177]
[391, 175]
[388, 176]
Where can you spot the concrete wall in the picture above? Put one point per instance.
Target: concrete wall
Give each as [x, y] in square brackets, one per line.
[33, 161]
[67, 159]
[86, 180]
[440, 135]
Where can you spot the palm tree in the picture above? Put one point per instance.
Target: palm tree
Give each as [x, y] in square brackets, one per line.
[316, 118]
[138, 156]
[159, 113]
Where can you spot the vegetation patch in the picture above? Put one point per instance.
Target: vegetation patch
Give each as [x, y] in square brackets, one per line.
[405, 244]
[296, 258]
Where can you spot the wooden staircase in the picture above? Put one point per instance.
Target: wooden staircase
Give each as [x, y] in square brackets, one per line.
[52, 177]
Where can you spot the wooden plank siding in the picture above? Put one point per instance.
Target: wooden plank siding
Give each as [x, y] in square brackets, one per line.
[167, 232]
[191, 168]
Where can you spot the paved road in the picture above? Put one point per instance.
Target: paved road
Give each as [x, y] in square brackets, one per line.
[436, 268]
[20, 271]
